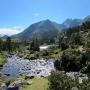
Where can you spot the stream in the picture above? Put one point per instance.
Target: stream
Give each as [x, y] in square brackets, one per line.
[17, 66]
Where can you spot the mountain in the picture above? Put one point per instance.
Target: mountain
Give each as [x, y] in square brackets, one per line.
[69, 23]
[42, 30]
[3, 36]
[47, 30]
[86, 18]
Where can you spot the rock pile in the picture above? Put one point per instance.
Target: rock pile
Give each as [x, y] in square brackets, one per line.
[78, 75]
[16, 66]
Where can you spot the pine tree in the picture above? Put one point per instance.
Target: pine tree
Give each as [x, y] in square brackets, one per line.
[8, 44]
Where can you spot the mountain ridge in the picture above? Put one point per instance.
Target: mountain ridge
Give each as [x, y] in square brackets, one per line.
[42, 29]
[48, 29]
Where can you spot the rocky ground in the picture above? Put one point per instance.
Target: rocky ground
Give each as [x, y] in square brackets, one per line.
[16, 66]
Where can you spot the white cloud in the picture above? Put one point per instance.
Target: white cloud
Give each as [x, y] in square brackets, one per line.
[36, 14]
[10, 31]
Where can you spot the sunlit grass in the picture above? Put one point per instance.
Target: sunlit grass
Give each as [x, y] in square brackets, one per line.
[2, 59]
[37, 84]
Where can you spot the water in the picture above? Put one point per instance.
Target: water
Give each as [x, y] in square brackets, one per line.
[16, 66]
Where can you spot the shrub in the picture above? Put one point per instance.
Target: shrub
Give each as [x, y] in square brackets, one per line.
[57, 64]
[60, 81]
[70, 60]
[63, 46]
[45, 53]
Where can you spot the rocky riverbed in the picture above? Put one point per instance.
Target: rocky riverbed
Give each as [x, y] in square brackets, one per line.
[17, 66]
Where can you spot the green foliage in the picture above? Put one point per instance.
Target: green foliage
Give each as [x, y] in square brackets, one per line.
[8, 44]
[60, 81]
[45, 53]
[1, 44]
[34, 45]
[2, 59]
[74, 58]
[85, 26]
[57, 64]
[70, 60]
[63, 46]
[88, 43]
[75, 36]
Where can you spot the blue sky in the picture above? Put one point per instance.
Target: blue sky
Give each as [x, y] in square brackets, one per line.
[16, 15]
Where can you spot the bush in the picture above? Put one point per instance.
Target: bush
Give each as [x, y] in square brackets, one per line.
[57, 64]
[45, 53]
[70, 60]
[63, 46]
[60, 81]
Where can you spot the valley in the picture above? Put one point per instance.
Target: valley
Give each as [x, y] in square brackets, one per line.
[48, 53]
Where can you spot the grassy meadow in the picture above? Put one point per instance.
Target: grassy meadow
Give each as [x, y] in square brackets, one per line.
[37, 84]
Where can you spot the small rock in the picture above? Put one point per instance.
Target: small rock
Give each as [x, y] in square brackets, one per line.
[74, 88]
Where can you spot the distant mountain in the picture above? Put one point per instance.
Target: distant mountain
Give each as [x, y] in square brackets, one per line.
[69, 23]
[5, 36]
[47, 29]
[42, 30]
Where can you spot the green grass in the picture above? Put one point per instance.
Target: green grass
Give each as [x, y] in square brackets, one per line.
[55, 53]
[37, 84]
[2, 59]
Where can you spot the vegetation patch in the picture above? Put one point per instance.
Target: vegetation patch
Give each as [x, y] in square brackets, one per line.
[60, 81]
[2, 59]
[37, 84]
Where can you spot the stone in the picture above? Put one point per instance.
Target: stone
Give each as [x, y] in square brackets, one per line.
[74, 88]
[16, 66]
